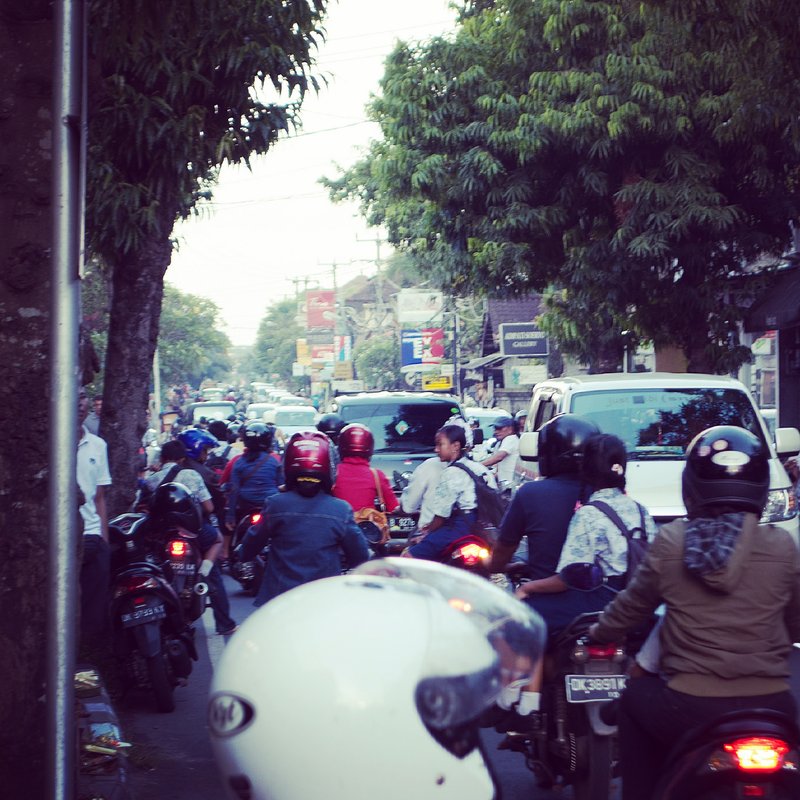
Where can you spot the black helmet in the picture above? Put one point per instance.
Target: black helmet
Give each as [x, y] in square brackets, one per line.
[233, 431]
[218, 428]
[174, 506]
[257, 436]
[331, 425]
[560, 443]
[726, 465]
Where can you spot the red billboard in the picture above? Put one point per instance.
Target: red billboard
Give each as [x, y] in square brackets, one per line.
[320, 309]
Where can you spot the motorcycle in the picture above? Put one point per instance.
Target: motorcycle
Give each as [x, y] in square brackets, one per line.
[247, 573]
[182, 568]
[472, 553]
[572, 745]
[748, 753]
[152, 639]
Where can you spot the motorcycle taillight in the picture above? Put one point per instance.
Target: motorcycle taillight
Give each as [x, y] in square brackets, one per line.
[472, 553]
[255, 518]
[757, 753]
[177, 548]
[133, 583]
[601, 650]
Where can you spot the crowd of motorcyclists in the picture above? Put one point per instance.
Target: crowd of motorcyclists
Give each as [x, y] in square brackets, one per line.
[728, 588]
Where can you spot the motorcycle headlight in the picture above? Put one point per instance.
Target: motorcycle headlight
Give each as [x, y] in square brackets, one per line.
[781, 505]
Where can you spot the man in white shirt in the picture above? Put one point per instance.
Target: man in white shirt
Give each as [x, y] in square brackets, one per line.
[93, 476]
[504, 458]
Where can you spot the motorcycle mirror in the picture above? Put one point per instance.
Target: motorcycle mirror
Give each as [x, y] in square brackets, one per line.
[583, 576]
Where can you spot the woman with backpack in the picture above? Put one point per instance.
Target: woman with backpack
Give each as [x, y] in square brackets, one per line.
[608, 530]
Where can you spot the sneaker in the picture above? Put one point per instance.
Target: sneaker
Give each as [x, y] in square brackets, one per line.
[229, 631]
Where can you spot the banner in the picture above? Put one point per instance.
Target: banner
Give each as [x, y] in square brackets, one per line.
[342, 348]
[421, 346]
[415, 307]
[320, 309]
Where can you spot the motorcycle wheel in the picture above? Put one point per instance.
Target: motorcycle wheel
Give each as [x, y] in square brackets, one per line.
[595, 780]
[162, 686]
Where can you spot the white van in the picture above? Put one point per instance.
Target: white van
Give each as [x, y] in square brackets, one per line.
[657, 415]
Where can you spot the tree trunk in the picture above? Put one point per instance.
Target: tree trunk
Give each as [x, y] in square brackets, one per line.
[25, 220]
[138, 286]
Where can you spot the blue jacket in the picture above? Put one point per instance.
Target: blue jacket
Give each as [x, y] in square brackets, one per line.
[252, 482]
[308, 537]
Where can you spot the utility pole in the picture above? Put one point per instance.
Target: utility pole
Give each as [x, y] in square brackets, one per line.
[378, 276]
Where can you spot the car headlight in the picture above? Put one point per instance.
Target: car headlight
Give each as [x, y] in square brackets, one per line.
[781, 505]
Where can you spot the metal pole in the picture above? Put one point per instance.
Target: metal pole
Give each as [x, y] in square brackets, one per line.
[68, 123]
[456, 366]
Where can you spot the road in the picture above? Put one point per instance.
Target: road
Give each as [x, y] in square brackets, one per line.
[171, 754]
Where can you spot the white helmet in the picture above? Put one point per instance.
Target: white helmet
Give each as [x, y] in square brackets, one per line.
[321, 686]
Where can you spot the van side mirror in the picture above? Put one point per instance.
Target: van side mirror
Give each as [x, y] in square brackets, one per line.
[787, 441]
[529, 446]
[477, 436]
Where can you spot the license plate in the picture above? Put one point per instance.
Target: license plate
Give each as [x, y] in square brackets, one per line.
[182, 566]
[405, 524]
[141, 615]
[588, 688]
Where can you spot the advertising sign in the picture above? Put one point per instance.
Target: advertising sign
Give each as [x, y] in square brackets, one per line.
[421, 346]
[436, 383]
[322, 353]
[522, 339]
[303, 353]
[320, 309]
[415, 307]
[342, 348]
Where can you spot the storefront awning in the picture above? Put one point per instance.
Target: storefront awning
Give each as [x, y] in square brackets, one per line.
[485, 361]
[779, 307]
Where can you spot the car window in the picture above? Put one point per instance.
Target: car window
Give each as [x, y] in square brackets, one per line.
[213, 411]
[401, 426]
[662, 422]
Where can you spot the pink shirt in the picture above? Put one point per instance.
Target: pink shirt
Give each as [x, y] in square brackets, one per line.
[355, 484]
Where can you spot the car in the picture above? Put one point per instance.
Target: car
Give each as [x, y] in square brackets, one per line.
[291, 419]
[293, 400]
[657, 415]
[257, 410]
[213, 393]
[209, 410]
[404, 425]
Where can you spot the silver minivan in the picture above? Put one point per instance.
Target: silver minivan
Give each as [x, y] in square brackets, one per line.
[657, 415]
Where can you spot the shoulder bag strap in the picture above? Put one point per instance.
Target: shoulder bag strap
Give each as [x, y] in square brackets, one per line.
[379, 492]
[606, 509]
[171, 475]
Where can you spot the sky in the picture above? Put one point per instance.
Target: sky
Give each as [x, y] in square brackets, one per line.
[271, 232]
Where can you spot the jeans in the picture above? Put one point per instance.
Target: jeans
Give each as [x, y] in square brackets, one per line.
[94, 582]
[220, 605]
[653, 717]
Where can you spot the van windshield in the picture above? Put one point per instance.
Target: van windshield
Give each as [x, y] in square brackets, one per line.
[660, 423]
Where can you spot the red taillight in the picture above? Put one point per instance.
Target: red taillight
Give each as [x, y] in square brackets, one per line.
[601, 650]
[177, 548]
[472, 553]
[753, 790]
[133, 582]
[758, 753]
[255, 518]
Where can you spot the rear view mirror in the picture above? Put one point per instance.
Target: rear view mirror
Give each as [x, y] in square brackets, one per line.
[582, 576]
[787, 441]
[529, 446]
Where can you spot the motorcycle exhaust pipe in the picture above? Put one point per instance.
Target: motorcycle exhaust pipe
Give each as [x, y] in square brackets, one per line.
[201, 588]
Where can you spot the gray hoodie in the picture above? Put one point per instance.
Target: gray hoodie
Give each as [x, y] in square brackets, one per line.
[728, 633]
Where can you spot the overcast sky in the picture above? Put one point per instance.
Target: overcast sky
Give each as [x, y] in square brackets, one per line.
[274, 224]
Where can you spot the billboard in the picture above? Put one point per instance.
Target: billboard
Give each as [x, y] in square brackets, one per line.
[421, 346]
[343, 347]
[416, 307]
[320, 309]
[522, 339]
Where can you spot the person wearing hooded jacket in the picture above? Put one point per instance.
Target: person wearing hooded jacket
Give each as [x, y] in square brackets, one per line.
[732, 593]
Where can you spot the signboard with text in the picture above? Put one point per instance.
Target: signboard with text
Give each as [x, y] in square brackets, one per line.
[523, 339]
[320, 309]
[421, 346]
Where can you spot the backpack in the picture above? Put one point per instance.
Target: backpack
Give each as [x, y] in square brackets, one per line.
[491, 503]
[217, 461]
[636, 537]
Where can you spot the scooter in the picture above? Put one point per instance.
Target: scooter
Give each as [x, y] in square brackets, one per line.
[572, 745]
[152, 639]
[471, 553]
[182, 567]
[247, 573]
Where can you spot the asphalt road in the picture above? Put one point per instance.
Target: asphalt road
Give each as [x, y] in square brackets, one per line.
[171, 754]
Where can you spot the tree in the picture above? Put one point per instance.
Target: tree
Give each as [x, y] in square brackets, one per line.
[632, 155]
[177, 90]
[377, 363]
[171, 98]
[275, 349]
[191, 348]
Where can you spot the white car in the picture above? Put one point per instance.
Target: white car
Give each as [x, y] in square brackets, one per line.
[657, 415]
[291, 419]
